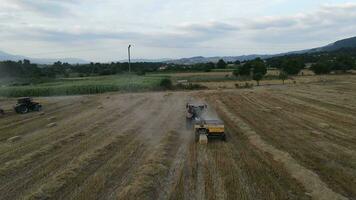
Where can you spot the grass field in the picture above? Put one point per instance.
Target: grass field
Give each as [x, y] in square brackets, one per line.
[225, 76]
[294, 141]
[86, 85]
[125, 83]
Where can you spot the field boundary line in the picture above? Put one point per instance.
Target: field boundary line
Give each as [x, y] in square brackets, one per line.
[310, 180]
[172, 178]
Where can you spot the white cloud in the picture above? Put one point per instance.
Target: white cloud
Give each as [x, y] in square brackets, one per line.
[185, 28]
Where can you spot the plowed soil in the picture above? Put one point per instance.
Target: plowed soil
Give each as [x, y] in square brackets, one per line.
[285, 142]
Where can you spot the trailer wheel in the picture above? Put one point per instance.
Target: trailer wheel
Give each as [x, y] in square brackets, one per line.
[223, 138]
[197, 134]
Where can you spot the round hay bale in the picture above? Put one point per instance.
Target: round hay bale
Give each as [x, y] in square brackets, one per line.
[51, 125]
[14, 139]
[100, 107]
[278, 108]
[41, 113]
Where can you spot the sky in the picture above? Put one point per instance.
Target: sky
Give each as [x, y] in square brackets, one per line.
[100, 30]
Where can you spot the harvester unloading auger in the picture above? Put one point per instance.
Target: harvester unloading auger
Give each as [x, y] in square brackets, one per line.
[204, 127]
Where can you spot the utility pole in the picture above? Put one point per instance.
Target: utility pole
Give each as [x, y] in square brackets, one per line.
[129, 49]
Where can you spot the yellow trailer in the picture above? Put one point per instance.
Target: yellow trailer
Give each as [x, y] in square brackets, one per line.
[210, 128]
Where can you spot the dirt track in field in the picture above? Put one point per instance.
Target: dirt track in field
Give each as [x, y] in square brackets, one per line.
[288, 142]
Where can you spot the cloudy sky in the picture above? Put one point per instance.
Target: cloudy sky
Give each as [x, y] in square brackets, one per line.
[100, 30]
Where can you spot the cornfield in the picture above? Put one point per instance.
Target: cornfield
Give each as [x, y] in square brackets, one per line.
[91, 85]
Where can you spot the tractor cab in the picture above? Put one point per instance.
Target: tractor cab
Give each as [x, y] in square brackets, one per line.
[194, 111]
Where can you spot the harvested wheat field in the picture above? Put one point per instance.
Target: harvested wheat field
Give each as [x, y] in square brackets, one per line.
[283, 142]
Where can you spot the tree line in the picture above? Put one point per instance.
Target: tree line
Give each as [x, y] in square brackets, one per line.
[26, 69]
[321, 63]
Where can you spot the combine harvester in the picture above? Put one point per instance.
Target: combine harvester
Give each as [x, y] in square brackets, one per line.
[204, 127]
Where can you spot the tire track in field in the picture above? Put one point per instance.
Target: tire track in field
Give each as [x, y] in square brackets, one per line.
[128, 124]
[74, 173]
[317, 114]
[35, 116]
[14, 120]
[174, 173]
[67, 152]
[201, 171]
[98, 186]
[67, 141]
[140, 124]
[167, 113]
[307, 148]
[218, 184]
[311, 181]
[149, 179]
[123, 123]
[185, 187]
[42, 134]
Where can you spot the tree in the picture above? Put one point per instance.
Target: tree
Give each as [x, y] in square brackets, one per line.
[257, 77]
[244, 70]
[237, 62]
[344, 63]
[221, 64]
[283, 76]
[236, 72]
[292, 66]
[209, 66]
[166, 83]
[257, 66]
[322, 67]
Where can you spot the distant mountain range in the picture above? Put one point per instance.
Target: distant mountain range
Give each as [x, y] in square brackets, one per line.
[147, 60]
[5, 56]
[201, 59]
[345, 43]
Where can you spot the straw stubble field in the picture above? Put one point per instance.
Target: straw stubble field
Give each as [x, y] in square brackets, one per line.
[289, 142]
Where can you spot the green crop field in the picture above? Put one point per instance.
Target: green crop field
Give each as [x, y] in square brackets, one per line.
[85, 85]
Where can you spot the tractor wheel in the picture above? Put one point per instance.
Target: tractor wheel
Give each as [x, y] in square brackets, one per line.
[37, 108]
[22, 110]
